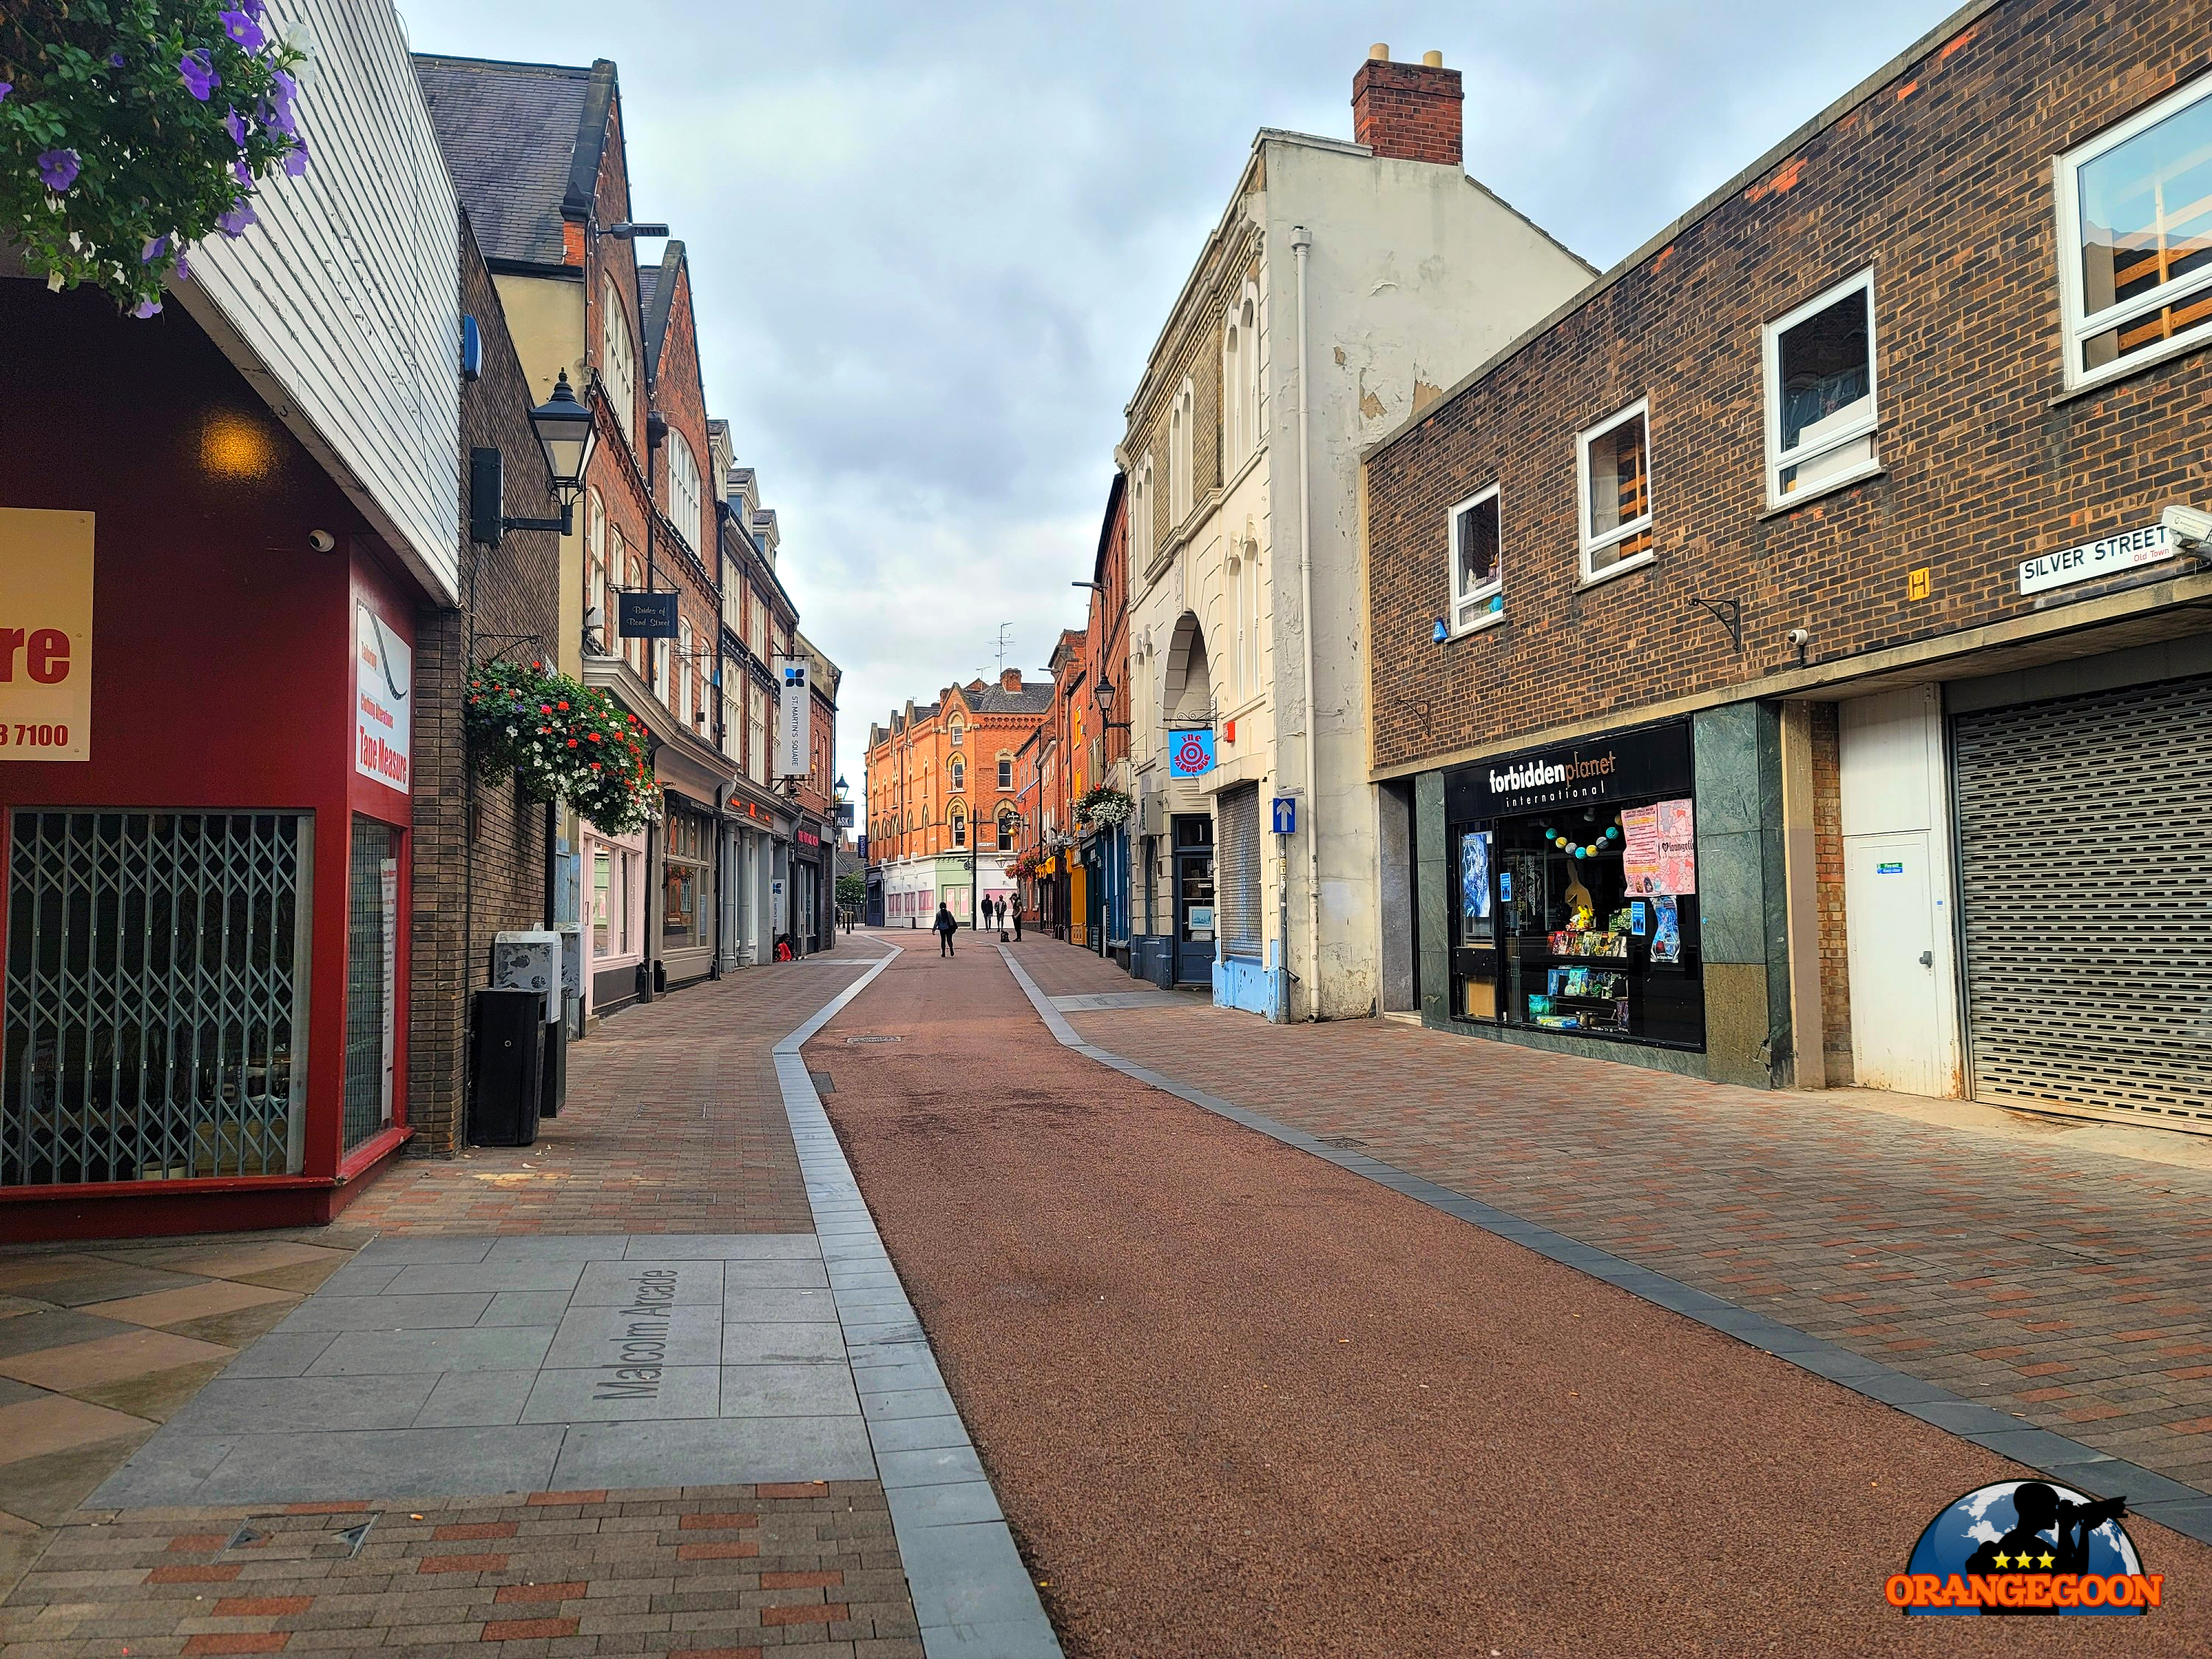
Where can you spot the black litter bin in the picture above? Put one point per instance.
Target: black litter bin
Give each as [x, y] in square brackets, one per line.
[507, 1067]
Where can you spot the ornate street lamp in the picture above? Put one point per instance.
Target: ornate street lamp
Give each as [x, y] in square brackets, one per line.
[567, 431]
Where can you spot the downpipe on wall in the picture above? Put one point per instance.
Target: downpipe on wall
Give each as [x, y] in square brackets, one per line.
[1302, 245]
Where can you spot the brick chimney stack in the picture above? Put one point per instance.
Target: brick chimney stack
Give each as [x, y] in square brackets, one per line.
[1010, 679]
[1409, 111]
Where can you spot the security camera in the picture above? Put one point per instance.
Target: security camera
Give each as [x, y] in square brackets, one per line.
[2186, 525]
[322, 541]
[1799, 636]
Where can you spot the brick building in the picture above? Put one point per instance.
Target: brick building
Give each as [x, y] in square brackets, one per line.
[481, 861]
[1343, 285]
[1779, 656]
[939, 776]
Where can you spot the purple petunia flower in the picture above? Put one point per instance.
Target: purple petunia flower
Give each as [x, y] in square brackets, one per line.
[6, 86]
[233, 224]
[244, 30]
[243, 173]
[199, 77]
[115, 60]
[146, 308]
[154, 249]
[234, 125]
[295, 159]
[58, 167]
[184, 269]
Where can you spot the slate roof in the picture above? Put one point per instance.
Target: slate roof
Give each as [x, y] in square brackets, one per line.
[1034, 698]
[523, 141]
[656, 296]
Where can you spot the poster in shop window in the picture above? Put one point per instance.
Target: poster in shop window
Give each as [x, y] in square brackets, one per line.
[384, 705]
[1474, 886]
[46, 634]
[1659, 848]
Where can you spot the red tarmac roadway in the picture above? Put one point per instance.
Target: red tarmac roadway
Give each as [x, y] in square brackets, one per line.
[1238, 1401]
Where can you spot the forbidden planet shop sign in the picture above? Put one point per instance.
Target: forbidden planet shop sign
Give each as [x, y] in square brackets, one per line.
[2093, 560]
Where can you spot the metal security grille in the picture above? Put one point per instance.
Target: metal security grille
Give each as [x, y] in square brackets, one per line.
[1239, 868]
[2086, 883]
[372, 901]
[156, 996]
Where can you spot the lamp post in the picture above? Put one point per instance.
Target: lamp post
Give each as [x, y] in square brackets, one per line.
[837, 835]
[568, 433]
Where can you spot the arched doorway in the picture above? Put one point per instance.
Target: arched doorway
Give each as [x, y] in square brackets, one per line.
[1186, 701]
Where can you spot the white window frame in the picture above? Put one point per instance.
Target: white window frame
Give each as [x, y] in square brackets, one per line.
[1866, 426]
[956, 729]
[2077, 329]
[1182, 451]
[684, 640]
[959, 771]
[1591, 544]
[1141, 516]
[683, 490]
[618, 354]
[595, 590]
[1465, 618]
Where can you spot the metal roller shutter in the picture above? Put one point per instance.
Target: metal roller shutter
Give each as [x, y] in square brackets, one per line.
[1238, 871]
[2086, 888]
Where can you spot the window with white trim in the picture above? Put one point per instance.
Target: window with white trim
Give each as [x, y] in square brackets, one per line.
[1140, 516]
[684, 640]
[1477, 563]
[2134, 237]
[959, 733]
[1006, 771]
[1820, 414]
[596, 623]
[959, 825]
[633, 645]
[959, 774]
[756, 735]
[1614, 471]
[617, 356]
[1181, 422]
[1006, 829]
[684, 490]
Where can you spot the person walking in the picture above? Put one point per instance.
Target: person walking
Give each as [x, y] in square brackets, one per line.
[946, 926]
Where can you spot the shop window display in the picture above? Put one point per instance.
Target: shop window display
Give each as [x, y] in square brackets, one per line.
[1581, 916]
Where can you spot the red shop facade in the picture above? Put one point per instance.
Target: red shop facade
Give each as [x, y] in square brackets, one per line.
[206, 916]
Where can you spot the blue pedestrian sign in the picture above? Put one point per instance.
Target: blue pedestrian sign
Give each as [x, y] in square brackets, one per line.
[1286, 815]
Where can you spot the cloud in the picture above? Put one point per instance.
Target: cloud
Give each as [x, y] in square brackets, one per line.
[932, 247]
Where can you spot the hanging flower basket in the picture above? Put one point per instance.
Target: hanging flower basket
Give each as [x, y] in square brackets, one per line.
[562, 740]
[132, 129]
[1103, 808]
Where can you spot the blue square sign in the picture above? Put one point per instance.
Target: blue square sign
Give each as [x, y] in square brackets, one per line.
[1286, 815]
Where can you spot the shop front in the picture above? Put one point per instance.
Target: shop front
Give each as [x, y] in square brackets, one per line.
[615, 909]
[1572, 877]
[809, 884]
[687, 893]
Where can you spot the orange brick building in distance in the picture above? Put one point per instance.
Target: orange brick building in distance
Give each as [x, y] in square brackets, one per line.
[935, 774]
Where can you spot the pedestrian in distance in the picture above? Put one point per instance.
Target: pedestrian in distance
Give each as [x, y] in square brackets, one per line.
[946, 926]
[1018, 918]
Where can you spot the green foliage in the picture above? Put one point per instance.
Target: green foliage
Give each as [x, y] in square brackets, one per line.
[132, 129]
[852, 891]
[562, 740]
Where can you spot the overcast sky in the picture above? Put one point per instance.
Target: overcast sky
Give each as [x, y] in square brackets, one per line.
[931, 244]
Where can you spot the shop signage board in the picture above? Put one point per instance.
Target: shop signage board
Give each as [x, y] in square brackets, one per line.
[45, 636]
[1190, 753]
[383, 702]
[795, 718]
[1621, 766]
[642, 616]
[2107, 556]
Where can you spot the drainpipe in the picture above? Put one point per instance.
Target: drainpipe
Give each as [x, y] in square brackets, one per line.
[1302, 245]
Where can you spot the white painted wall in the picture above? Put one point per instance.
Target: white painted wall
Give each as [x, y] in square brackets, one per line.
[1415, 276]
[343, 305]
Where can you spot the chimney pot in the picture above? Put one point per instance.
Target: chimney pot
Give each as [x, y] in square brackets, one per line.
[1010, 679]
[1408, 111]
[1378, 53]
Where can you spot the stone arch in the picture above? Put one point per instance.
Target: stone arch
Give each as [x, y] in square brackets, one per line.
[1186, 685]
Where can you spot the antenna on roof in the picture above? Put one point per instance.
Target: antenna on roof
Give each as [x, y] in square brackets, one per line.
[1003, 626]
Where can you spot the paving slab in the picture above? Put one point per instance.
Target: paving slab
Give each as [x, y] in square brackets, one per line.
[411, 1353]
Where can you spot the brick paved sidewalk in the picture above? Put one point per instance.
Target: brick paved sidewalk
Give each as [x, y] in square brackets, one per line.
[674, 1125]
[677, 1125]
[2072, 1288]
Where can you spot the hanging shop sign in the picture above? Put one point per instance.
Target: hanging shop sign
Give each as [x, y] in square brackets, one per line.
[642, 616]
[1620, 766]
[2106, 557]
[383, 702]
[1190, 753]
[45, 636]
[795, 718]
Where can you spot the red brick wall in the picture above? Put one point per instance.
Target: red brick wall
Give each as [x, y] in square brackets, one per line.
[479, 864]
[1940, 181]
[1408, 111]
[680, 399]
[1828, 875]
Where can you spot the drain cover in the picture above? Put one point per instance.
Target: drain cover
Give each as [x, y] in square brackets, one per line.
[857, 1041]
